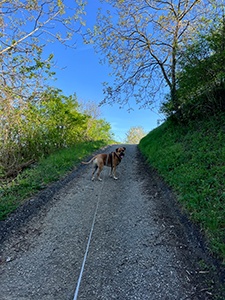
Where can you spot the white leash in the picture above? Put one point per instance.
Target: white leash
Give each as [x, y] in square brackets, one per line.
[88, 244]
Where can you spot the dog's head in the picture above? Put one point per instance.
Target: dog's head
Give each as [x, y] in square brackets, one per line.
[121, 152]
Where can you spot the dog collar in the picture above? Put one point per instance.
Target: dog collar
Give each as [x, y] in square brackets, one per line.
[117, 156]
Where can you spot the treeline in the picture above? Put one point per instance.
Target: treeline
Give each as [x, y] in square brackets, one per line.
[36, 119]
[31, 129]
[200, 78]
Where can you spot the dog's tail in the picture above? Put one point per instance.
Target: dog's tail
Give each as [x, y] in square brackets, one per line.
[87, 163]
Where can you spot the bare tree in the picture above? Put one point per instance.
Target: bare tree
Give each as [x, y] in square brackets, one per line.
[90, 108]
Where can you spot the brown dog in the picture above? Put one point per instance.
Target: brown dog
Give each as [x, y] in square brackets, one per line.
[109, 160]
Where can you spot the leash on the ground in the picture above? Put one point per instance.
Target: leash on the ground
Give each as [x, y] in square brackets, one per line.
[88, 243]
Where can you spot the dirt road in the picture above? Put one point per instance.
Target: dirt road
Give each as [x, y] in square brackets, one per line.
[140, 244]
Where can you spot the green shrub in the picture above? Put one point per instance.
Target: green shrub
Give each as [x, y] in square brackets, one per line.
[49, 169]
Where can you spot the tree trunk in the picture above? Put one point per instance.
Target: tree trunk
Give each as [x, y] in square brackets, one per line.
[173, 74]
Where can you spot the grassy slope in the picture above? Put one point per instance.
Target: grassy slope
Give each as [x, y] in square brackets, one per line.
[192, 162]
[50, 169]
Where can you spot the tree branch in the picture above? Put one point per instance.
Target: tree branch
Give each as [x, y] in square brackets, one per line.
[28, 35]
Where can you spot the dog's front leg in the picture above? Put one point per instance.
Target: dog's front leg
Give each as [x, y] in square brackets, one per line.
[114, 173]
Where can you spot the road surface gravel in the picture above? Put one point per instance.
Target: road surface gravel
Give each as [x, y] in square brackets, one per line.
[142, 245]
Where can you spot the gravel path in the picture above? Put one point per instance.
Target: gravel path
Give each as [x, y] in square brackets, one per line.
[142, 245]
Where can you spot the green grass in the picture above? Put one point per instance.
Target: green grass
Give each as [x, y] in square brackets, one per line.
[30, 181]
[192, 161]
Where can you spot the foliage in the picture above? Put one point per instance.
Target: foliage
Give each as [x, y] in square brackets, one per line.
[62, 124]
[96, 128]
[191, 160]
[201, 80]
[27, 25]
[142, 41]
[38, 176]
[45, 126]
[135, 134]
[90, 108]
[15, 112]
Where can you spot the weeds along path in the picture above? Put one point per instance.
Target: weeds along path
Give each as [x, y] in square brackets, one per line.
[140, 245]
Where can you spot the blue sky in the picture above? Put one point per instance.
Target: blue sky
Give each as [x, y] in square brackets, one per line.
[80, 72]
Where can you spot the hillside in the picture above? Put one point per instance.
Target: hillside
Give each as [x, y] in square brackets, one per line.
[191, 159]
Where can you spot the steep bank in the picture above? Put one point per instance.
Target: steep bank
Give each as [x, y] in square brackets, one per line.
[191, 159]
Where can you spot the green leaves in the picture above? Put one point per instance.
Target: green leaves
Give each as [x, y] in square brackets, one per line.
[24, 72]
[52, 123]
[50, 169]
[22, 20]
[142, 42]
[201, 80]
[134, 135]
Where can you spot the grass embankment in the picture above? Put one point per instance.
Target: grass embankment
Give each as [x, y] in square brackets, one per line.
[192, 161]
[30, 181]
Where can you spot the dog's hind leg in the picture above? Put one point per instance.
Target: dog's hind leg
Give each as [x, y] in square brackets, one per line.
[110, 173]
[100, 167]
[95, 165]
[93, 174]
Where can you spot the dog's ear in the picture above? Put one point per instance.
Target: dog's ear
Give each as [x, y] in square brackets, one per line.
[124, 148]
[117, 149]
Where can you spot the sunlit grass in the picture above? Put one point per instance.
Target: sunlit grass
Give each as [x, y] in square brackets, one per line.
[192, 161]
[38, 176]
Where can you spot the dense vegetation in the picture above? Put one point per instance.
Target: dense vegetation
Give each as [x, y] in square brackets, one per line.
[37, 129]
[50, 136]
[16, 190]
[189, 152]
[201, 78]
[40, 127]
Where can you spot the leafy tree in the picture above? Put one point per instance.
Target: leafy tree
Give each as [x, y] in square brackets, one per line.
[97, 128]
[201, 79]
[62, 123]
[26, 27]
[16, 99]
[28, 24]
[54, 122]
[142, 41]
[134, 135]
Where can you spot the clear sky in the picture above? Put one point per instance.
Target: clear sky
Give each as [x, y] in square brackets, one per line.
[80, 72]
